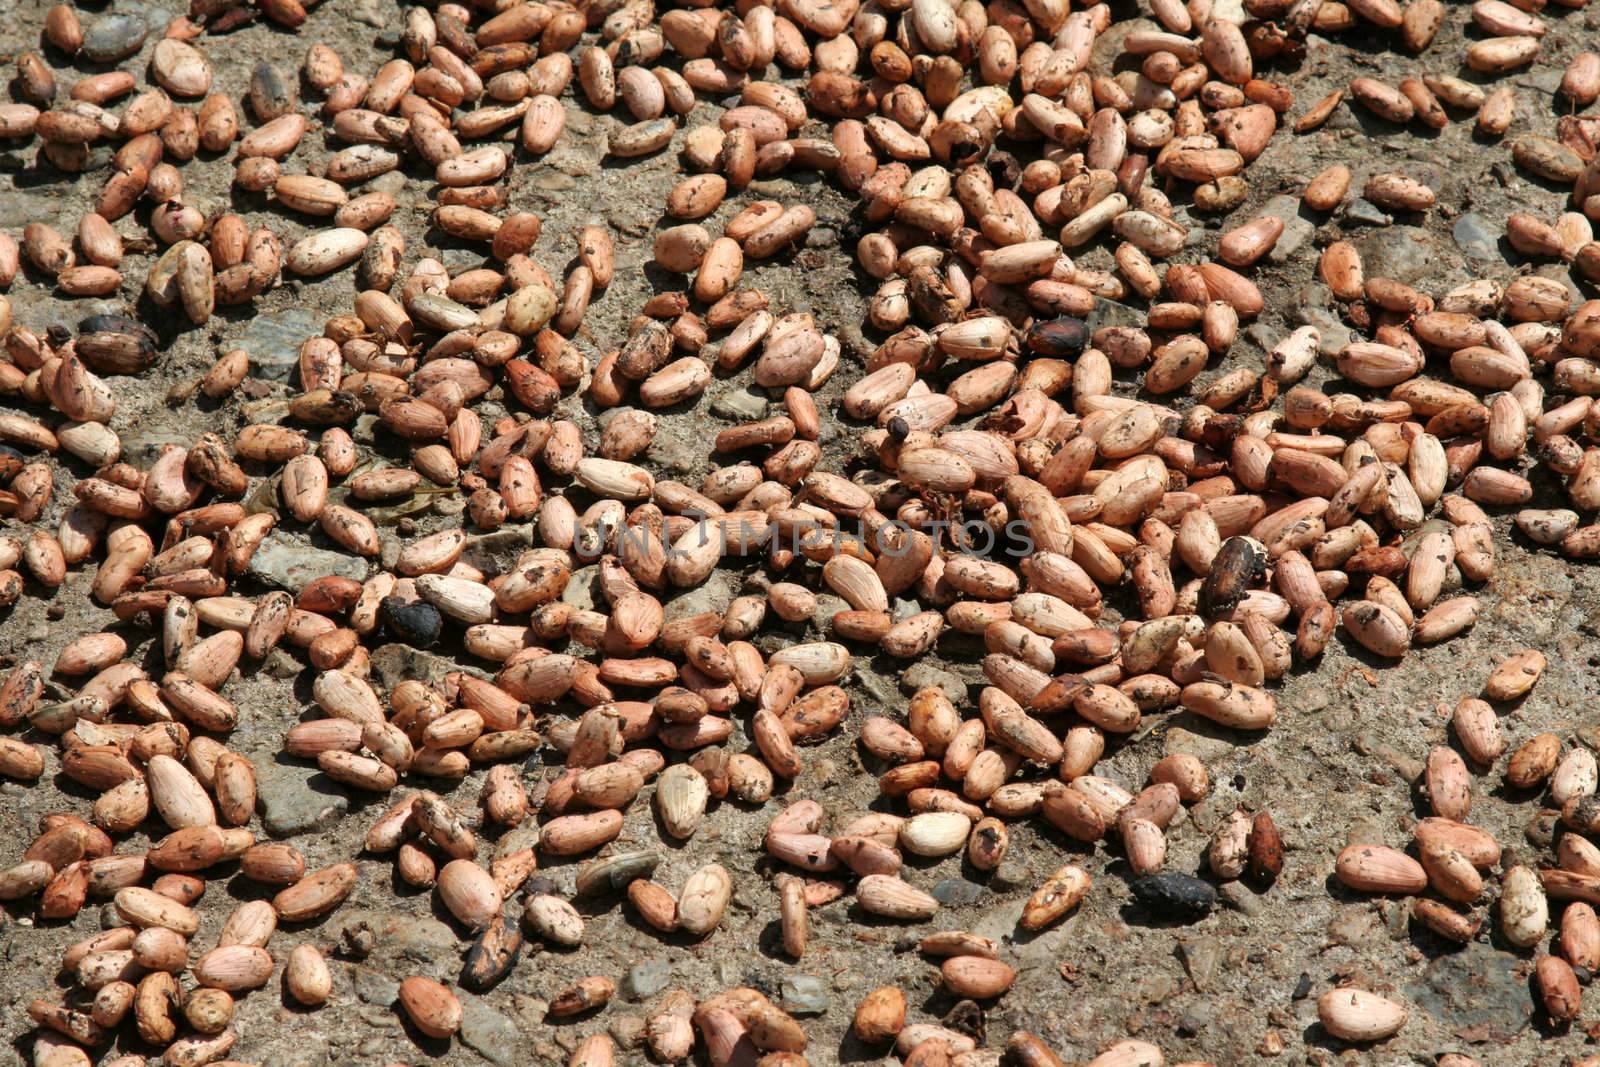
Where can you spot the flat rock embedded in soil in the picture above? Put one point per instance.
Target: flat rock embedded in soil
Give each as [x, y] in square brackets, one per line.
[957, 892]
[805, 994]
[713, 594]
[1474, 237]
[1000, 922]
[1178, 741]
[273, 340]
[1242, 898]
[740, 403]
[490, 1033]
[373, 986]
[1111, 313]
[1311, 308]
[627, 1029]
[1404, 253]
[1048, 948]
[924, 675]
[580, 589]
[423, 945]
[647, 978]
[282, 561]
[1366, 213]
[1296, 230]
[112, 37]
[393, 663]
[142, 444]
[1477, 993]
[295, 800]
[1200, 959]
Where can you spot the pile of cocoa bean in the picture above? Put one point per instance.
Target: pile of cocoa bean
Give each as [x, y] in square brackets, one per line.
[1173, 539]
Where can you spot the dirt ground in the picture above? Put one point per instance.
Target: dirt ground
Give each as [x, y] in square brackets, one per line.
[1237, 987]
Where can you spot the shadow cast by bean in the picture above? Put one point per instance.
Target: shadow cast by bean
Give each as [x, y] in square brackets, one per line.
[853, 1050]
[407, 891]
[243, 888]
[73, 788]
[1316, 1036]
[1363, 655]
[434, 1047]
[1343, 894]
[769, 942]
[1430, 944]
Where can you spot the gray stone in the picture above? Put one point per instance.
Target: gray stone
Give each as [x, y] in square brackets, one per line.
[550, 180]
[1545, 80]
[302, 1057]
[498, 550]
[713, 594]
[1311, 309]
[1367, 213]
[1200, 958]
[878, 688]
[295, 801]
[1010, 875]
[1474, 237]
[828, 605]
[394, 663]
[426, 941]
[955, 892]
[282, 561]
[272, 409]
[374, 987]
[1111, 313]
[1000, 921]
[1283, 207]
[646, 979]
[1262, 336]
[1475, 988]
[114, 37]
[1178, 741]
[627, 1030]
[805, 994]
[1046, 949]
[459, 259]
[1403, 253]
[1239, 895]
[580, 591]
[680, 451]
[1427, 173]
[740, 404]
[1296, 230]
[389, 549]
[393, 182]
[489, 1033]
[1194, 1020]
[923, 674]
[1396, 916]
[274, 339]
[143, 442]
